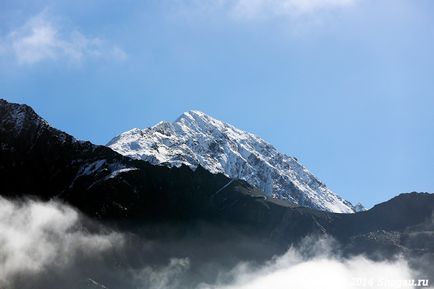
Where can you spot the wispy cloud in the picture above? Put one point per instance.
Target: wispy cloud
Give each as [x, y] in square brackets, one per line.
[297, 16]
[252, 10]
[41, 38]
[266, 8]
[37, 236]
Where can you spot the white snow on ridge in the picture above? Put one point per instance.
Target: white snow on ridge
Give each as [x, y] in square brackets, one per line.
[116, 173]
[196, 138]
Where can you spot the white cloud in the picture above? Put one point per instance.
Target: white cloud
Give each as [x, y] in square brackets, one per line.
[36, 235]
[167, 277]
[320, 270]
[265, 8]
[40, 38]
[323, 273]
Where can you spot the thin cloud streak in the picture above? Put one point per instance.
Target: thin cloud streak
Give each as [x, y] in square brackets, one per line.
[264, 9]
[267, 8]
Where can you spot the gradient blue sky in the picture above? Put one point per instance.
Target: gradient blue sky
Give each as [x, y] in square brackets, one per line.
[347, 86]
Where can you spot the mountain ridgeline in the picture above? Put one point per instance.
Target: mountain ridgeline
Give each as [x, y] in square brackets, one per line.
[39, 161]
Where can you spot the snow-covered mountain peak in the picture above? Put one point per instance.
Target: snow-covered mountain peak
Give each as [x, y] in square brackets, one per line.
[195, 139]
[192, 115]
[199, 121]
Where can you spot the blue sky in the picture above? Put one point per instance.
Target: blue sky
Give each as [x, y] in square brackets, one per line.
[346, 86]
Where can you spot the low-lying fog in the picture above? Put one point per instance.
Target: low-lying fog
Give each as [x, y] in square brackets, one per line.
[51, 245]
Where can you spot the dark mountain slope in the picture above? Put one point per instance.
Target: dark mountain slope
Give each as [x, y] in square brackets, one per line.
[39, 160]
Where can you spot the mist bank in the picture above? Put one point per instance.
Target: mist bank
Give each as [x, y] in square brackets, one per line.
[52, 245]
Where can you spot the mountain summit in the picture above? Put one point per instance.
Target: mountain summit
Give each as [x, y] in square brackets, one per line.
[197, 139]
